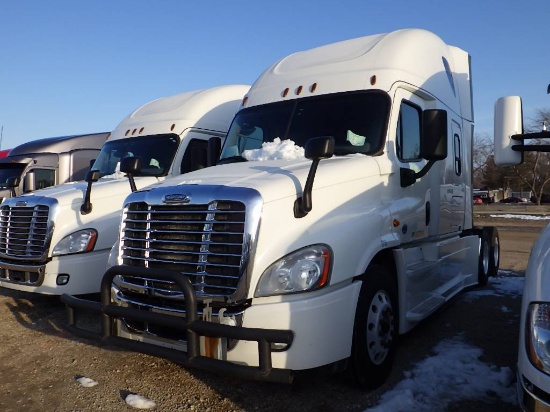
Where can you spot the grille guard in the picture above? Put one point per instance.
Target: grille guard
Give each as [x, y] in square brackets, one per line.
[192, 324]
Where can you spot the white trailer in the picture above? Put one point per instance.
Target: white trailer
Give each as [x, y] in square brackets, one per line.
[339, 216]
[534, 333]
[58, 240]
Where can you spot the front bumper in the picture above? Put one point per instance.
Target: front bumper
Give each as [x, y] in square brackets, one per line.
[193, 326]
[532, 398]
[84, 271]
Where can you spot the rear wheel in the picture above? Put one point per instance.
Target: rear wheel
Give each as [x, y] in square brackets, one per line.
[489, 254]
[494, 250]
[484, 258]
[375, 329]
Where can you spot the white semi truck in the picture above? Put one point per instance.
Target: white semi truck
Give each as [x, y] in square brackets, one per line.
[534, 333]
[48, 162]
[58, 240]
[339, 216]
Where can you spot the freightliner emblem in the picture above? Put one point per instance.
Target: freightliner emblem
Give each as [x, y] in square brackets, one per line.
[176, 198]
[20, 203]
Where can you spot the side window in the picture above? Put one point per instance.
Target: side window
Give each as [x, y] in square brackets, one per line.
[408, 133]
[195, 156]
[42, 178]
[457, 155]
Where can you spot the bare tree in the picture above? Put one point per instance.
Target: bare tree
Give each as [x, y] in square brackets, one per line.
[482, 150]
[534, 172]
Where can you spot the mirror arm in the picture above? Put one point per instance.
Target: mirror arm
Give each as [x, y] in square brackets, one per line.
[409, 177]
[92, 176]
[304, 204]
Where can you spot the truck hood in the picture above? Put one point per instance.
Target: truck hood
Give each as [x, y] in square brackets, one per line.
[276, 179]
[73, 193]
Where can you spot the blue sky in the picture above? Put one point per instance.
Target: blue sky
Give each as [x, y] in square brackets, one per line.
[70, 67]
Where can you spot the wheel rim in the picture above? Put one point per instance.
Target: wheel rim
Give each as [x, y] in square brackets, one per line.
[380, 327]
[496, 252]
[485, 257]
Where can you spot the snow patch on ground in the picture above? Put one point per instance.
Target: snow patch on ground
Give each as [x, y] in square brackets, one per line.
[452, 374]
[525, 217]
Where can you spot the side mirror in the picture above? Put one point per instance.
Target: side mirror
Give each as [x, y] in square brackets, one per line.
[508, 122]
[433, 144]
[91, 176]
[29, 182]
[213, 151]
[319, 148]
[316, 149]
[131, 166]
[12, 183]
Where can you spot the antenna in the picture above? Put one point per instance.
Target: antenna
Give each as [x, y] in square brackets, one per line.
[2, 134]
[548, 90]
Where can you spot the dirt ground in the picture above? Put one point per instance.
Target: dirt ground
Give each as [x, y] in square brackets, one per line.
[40, 360]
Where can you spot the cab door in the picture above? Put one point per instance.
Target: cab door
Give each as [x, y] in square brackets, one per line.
[413, 204]
[453, 190]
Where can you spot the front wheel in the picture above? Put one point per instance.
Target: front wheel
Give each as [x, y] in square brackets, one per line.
[375, 329]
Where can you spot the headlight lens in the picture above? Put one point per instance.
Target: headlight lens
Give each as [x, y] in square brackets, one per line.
[77, 242]
[538, 336]
[303, 270]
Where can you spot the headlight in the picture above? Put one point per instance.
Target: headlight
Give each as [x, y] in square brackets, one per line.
[537, 336]
[303, 270]
[77, 242]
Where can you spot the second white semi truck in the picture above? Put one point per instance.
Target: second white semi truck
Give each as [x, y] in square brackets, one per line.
[338, 217]
[58, 240]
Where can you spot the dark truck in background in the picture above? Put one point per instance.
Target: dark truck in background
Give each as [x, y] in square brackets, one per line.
[48, 162]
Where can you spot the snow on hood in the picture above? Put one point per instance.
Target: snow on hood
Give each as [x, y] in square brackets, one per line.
[276, 179]
[277, 149]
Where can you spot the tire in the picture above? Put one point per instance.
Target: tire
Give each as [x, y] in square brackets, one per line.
[484, 258]
[375, 329]
[489, 254]
[494, 256]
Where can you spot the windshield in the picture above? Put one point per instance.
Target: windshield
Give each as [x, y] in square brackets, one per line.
[8, 170]
[156, 152]
[357, 121]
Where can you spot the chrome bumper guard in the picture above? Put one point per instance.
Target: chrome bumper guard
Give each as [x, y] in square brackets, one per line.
[193, 326]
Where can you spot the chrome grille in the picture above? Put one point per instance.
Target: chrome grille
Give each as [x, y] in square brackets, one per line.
[24, 231]
[204, 242]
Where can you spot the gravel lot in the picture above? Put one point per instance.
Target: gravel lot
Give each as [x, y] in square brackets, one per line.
[40, 360]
